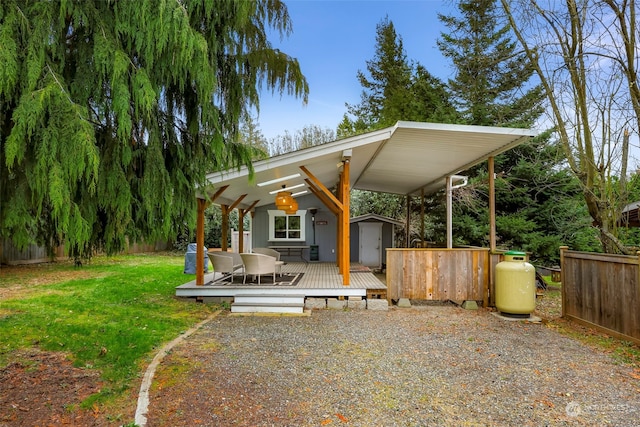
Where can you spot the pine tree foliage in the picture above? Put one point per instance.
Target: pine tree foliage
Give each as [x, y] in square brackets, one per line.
[492, 76]
[111, 112]
[395, 89]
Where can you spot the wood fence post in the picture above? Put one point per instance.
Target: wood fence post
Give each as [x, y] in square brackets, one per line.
[562, 281]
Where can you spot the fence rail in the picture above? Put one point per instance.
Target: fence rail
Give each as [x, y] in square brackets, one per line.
[602, 291]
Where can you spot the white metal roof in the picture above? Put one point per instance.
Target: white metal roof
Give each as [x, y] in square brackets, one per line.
[402, 159]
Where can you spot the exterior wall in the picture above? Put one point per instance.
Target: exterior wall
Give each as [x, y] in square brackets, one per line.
[325, 235]
[354, 244]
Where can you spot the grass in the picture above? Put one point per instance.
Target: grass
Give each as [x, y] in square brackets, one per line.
[109, 315]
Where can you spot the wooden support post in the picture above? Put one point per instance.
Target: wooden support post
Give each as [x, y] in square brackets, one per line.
[345, 252]
[240, 231]
[422, 217]
[408, 225]
[202, 205]
[563, 249]
[225, 228]
[339, 229]
[492, 205]
[241, 214]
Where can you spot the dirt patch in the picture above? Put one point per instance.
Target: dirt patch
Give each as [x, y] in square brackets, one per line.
[21, 280]
[43, 388]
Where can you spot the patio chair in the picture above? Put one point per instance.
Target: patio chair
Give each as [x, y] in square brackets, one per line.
[258, 265]
[226, 262]
[273, 253]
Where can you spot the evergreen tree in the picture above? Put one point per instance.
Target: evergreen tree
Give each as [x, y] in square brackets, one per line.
[394, 89]
[385, 94]
[491, 85]
[111, 112]
[537, 200]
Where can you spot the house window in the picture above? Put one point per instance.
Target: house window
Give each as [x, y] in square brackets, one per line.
[286, 228]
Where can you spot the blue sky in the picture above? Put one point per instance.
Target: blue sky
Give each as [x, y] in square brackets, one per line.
[333, 39]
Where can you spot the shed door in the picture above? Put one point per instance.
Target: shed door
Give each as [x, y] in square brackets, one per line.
[370, 244]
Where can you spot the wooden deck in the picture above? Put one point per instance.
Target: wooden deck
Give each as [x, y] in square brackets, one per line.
[319, 280]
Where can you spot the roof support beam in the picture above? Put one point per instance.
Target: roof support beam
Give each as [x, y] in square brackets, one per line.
[241, 215]
[339, 206]
[226, 210]
[321, 196]
[322, 187]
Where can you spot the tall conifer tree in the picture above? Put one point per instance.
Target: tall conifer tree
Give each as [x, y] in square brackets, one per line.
[537, 204]
[111, 112]
[491, 86]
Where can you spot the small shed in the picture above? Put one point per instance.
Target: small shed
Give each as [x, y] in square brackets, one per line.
[630, 215]
[371, 235]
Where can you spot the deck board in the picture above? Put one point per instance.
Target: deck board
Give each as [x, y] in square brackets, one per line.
[320, 279]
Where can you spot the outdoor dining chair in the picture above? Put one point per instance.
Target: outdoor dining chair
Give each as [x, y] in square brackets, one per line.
[226, 263]
[258, 265]
[273, 253]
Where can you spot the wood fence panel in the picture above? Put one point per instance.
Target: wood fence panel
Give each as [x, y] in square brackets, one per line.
[602, 291]
[437, 274]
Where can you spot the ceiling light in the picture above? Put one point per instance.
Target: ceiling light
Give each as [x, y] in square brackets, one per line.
[299, 193]
[286, 188]
[275, 181]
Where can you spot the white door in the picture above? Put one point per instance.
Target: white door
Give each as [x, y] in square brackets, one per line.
[370, 244]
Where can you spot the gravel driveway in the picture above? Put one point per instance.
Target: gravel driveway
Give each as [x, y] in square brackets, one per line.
[423, 366]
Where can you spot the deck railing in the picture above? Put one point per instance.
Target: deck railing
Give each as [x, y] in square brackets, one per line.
[602, 291]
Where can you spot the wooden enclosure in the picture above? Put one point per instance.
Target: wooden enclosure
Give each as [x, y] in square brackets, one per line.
[438, 274]
[602, 291]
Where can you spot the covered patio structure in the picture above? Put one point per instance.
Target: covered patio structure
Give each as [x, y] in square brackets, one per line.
[409, 159]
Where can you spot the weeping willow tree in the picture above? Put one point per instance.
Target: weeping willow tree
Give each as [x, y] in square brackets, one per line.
[112, 112]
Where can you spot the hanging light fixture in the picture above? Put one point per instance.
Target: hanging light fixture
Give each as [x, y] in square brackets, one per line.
[292, 208]
[283, 199]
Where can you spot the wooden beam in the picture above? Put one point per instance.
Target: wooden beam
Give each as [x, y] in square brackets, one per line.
[492, 205]
[237, 202]
[345, 253]
[408, 223]
[241, 215]
[339, 230]
[324, 199]
[322, 187]
[224, 246]
[422, 218]
[218, 193]
[202, 205]
[240, 231]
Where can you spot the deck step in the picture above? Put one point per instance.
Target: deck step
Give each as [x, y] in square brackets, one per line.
[257, 307]
[270, 298]
[268, 303]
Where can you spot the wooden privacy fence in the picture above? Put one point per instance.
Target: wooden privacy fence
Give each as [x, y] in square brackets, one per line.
[602, 291]
[438, 274]
[33, 254]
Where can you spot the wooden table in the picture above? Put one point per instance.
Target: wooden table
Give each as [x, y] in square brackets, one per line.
[291, 251]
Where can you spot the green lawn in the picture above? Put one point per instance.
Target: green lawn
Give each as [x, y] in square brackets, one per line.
[110, 314]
